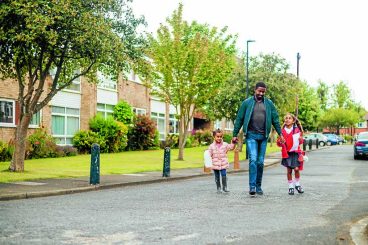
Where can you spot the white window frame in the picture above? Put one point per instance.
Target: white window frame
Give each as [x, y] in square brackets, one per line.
[175, 124]
[12, 124]
[105, 110]
[139, 111]
[39, 123]
[65, 115]
[155, 116]
[229, 125]
[106, 83]
[217, 124]
[76, 81]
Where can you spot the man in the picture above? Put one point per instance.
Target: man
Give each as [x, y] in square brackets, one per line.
[256, 114]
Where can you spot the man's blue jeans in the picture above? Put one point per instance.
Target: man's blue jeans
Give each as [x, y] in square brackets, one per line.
[256, 147]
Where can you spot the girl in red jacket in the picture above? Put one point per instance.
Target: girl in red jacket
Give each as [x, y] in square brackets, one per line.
[292, 155]
[218, 151]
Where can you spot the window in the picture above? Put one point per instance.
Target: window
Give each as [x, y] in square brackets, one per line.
[7, 112]
[173, 124]
[105, 110]
[106, 82]
[229, 125]
[64, 123]
[36, 119]
[75, 85]
[159, 118]
[217, 124]
[139, 111]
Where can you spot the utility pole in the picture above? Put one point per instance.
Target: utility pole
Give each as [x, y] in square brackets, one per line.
[297, 75]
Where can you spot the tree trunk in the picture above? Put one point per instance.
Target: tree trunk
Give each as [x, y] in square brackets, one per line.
[17, 163]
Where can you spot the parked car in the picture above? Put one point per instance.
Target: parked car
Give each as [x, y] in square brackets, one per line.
[361, 145]
[322, 139]
[332, 139]
[341, 139]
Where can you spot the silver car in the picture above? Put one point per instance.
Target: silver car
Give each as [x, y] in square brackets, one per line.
[322, 140]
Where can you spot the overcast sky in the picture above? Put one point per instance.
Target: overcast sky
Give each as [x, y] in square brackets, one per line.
[330, 35]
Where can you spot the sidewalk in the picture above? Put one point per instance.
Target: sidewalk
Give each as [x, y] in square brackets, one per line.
[51, 187]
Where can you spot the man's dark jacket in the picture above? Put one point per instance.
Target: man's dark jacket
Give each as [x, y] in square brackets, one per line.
[245, 113]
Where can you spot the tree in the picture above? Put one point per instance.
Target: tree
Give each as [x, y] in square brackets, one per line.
[282, 86]
[309, 107]
[341, 95]
[335, 118]
[190, 62]
[322, 92]
[65, 36]
[227, 101]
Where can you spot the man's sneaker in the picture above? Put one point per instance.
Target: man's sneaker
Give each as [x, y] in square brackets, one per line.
[291, 191]
[252, 191]
[259, 191]
[299, 189]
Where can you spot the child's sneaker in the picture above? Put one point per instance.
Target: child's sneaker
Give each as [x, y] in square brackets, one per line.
[291, 191]
[299, 189]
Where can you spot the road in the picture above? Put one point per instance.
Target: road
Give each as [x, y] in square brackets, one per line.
[191, 212]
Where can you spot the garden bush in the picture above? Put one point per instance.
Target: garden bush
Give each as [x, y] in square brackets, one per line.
[143, 134]
[6, 152]
[83, 141]
[123, 112]
[113, 132]
[40, 145]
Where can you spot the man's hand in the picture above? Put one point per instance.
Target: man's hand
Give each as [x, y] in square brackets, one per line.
[234, 140]
[282, 139]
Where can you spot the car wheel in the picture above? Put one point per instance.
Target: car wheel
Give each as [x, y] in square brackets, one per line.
[340, 143]
[355, 157]
[321, 143]
[329, 143]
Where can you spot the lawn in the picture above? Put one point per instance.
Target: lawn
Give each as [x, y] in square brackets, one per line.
[117, 163]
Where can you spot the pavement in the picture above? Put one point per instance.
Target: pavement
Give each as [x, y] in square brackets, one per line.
[52, 187]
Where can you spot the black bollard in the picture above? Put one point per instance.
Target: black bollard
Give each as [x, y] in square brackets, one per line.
[94, 178]
[304, 145]
[310, 144]
[317, 143]
[166, 168]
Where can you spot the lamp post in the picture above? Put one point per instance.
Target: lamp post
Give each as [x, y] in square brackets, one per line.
[297, 75]
[247, 80]
[248, 41]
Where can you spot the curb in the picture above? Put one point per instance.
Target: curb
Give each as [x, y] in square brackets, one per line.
[8, 197]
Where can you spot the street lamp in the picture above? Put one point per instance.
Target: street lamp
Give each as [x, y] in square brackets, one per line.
[297, 75]
[248, 41]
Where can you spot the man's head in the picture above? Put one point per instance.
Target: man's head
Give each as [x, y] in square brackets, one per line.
[260, 90]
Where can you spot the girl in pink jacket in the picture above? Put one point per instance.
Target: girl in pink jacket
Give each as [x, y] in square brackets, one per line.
[218, 151]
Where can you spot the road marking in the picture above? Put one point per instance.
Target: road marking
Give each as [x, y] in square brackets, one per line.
[185, 237]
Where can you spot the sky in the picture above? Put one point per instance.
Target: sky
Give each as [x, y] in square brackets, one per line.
[329, 35]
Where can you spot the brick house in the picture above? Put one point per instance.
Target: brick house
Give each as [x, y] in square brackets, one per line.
[70, 109]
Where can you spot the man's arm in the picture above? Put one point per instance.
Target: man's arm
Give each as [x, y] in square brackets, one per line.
[275, 119]
[239, 120]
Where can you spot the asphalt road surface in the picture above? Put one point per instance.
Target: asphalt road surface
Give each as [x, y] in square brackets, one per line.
[191, 212]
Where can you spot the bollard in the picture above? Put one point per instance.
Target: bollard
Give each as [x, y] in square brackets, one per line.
[310, 144]
[304, 145]
[95, 165]
[317, 143]
[166, 167]
[236, 159]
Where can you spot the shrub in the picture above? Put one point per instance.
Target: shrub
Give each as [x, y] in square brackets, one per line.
[228, 138]
[113, 132]
[204, 137]
[6, 152]
[123, 113]
[40, 145]
[143, 135]
[172, 141]
[83, 141]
